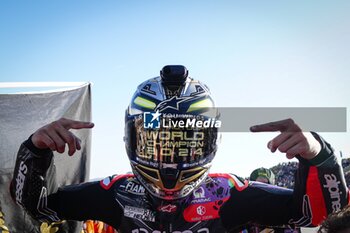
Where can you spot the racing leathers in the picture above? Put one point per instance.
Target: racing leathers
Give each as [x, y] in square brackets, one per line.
[222, 203]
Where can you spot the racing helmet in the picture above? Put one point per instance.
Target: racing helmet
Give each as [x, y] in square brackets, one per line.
[171, 133]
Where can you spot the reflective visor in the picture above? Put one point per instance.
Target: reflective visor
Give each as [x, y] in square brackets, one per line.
[173, 152]
[173, 146]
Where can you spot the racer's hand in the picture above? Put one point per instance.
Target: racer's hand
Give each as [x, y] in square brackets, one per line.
[292, 140]
[56, 135]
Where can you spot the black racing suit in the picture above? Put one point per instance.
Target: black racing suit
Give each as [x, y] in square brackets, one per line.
[223, 203]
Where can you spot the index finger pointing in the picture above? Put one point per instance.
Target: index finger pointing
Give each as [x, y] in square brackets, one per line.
[72, 124]
[274, 126]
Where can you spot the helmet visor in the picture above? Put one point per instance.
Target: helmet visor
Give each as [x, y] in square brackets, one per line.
[177, 152]
[174, 143]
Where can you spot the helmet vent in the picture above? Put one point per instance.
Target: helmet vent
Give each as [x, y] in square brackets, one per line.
[169, 177]
[173, 79]
[174, 74]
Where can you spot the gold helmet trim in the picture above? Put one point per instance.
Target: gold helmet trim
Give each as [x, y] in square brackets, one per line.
[184, 177]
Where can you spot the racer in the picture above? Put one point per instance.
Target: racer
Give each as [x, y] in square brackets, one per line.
[170, 152]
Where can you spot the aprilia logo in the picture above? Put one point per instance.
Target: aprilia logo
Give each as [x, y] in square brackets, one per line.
[332, 184]
[22, 171]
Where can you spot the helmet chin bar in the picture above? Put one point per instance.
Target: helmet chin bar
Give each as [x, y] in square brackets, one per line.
[187, 181]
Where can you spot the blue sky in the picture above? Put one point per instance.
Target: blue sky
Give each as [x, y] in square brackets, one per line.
[250, 53]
